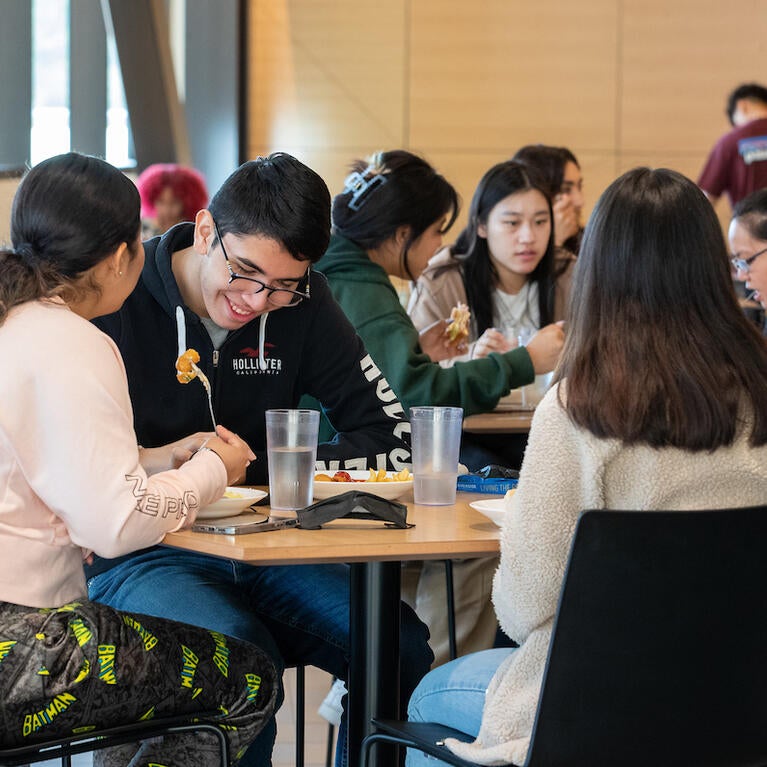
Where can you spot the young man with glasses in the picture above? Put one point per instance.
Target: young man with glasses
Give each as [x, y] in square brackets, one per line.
[268, 331]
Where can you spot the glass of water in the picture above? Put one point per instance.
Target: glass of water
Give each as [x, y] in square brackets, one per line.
[524, 336]
[291, 447]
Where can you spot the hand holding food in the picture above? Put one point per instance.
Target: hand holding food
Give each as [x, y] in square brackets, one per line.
[233, 451]
[434, 341]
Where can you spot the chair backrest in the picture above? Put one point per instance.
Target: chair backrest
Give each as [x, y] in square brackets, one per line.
[659, 650]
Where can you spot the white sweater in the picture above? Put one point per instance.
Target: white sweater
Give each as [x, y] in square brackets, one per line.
[566, 470]
[70, 477]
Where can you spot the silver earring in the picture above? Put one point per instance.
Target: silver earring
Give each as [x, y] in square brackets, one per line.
[119, 274]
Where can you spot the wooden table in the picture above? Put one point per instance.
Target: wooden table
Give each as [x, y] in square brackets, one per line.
[375, 554]
[501, 421]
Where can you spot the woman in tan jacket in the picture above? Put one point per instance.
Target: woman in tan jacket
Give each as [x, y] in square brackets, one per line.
[504, 266]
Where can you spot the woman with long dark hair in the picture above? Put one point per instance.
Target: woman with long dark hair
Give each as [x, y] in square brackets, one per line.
[504, 266]
[660, 403]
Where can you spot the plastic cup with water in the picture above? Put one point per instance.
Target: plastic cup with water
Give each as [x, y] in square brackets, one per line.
[436, 442]
[291, 448]
[524, 335]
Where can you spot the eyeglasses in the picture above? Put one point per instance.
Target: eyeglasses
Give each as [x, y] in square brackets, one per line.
[744, 264]
[276, 296]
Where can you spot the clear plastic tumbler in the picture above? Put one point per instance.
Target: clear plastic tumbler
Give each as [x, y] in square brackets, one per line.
[291, 446]
[436, 436]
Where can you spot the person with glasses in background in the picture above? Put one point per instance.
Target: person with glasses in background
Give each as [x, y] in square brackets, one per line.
[747, 236]
[268, 331]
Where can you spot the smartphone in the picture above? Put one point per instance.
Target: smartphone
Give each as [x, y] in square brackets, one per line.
[228, 527]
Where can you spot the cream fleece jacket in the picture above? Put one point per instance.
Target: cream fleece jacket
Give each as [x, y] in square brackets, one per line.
[566, 470]
[70, 477]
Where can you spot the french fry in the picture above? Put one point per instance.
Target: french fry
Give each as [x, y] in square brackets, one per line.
[373, 476]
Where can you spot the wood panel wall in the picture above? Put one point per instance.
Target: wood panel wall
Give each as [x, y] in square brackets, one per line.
[620, 82]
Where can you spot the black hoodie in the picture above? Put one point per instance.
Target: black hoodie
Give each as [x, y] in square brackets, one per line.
[310, 349]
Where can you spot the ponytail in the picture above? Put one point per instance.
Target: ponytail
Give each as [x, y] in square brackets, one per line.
[24, 276]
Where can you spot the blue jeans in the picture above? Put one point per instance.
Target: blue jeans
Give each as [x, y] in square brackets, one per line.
[298, 614]
[454, 695]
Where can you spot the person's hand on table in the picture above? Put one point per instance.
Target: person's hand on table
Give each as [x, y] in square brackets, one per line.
[172, 455]
[233, 451]
[545, 347]
[491, 340]
[566, 219]
[435, 343]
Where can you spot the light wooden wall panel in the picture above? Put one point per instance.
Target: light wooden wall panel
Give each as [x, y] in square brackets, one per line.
[7, 191]
[326, 75]
[500, 74]
[679, 61]
[621, 82]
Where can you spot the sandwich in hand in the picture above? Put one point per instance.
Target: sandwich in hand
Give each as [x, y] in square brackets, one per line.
[458, 329]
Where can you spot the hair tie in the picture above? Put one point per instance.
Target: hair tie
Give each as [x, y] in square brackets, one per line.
[361, 187]
[28, 253]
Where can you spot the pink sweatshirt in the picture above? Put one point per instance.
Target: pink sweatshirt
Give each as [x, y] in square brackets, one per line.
[70, 477]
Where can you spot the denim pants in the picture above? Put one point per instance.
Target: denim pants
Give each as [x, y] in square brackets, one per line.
[454, 695]
[298, 614]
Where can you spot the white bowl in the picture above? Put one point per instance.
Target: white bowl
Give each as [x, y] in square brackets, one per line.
[235, 500]
[494, 509]
[388, 490]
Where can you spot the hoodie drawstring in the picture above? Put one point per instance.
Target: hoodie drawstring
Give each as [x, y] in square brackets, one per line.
[262, 341]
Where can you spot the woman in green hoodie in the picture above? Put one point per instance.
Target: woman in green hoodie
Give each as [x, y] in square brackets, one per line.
[389, 221]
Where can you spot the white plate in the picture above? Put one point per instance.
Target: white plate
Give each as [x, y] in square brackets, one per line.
[242, 497]
[388, 490]
[494, 509]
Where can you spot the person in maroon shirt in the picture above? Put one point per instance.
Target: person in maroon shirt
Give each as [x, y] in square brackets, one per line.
[737, 165]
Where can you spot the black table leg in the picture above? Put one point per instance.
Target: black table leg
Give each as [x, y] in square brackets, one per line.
[374, 667]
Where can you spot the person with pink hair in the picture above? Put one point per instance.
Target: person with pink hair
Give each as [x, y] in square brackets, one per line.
[170, 194]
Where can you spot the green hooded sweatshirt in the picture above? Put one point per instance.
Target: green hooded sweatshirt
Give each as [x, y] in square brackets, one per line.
[369, 300]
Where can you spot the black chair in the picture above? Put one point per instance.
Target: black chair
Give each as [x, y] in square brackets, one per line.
[659, 649]
[67, 747]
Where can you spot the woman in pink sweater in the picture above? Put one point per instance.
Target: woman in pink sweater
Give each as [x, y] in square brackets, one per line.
[73, 481]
